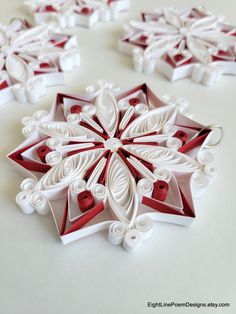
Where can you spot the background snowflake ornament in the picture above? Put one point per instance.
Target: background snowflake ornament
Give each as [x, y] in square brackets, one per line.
[32, 58]
[114, 159]
[191, 43]
[70, 13]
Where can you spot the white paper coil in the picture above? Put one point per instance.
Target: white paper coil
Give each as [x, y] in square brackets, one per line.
[34, 90]
[132, 240]
[141, 109]
[105, 15]
[149, 65]
[114, 11]
[116, 232]
[28, 185]
[162, 174]
[207, 74]
[53, 158]
[173, 143]
[210, 171]
[40, 203]
[69, 60]
[199, 183]
[123, 105]
[23, 201]
[219, 69]
[66, 20]
[28, 120]
[144, 224]
[199, 179]
[19, 93]
[181, 104]
[137, 52]
[144, 188]
[76, 187]
[99, 193]
[197, 73]
[53, 142]
[138, 63]
[90, 89]
[40, 116]
[168, 99]
[73, 118]
[28, 130]
[89, 110]
[209, 77]
[169, 129]
[204, 157]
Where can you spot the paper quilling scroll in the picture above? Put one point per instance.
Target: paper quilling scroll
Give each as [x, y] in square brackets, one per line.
[32, 58]
[70, 13]
[178, 44]
[114, 159]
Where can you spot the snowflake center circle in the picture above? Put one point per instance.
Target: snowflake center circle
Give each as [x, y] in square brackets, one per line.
[113, 144]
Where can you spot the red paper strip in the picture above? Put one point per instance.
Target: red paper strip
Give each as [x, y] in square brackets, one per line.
[194, 143]
[134, 101]
[85, 201]
[42, 152]
[181, 135]
[29, 165]
[3, 85]
[75, 109]
[82, 220]
[160, 190]
[86, 125]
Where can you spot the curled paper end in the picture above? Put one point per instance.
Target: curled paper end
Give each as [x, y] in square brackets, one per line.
[162, 174]
[144, 225]
[173, 143]
[116, 233]
[76, 187]
[99, 193]
[40, 203]
[23, 199]
[205, 157]
[53, 158]
[144, 188]
[132, 240]
[28, 184]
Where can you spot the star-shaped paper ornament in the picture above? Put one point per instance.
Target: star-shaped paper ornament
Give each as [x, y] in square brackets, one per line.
[114, 159]
[189, 43]
[70, 13]
[32, 58]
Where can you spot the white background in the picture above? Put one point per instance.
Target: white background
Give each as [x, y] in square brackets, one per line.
[39, 275]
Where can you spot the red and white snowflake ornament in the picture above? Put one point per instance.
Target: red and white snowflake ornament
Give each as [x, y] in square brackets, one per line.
[32, 58]
[70, 13]
[191, 43]
[113, 159]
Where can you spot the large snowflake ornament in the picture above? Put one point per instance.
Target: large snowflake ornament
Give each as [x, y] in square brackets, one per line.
[69, 13]
[32, 58]
[191, 43]
[113, 159]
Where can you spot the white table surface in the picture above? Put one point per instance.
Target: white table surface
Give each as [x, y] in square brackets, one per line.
[196, 264]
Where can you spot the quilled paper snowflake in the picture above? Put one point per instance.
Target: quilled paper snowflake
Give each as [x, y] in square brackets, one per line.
[32, 58]
[191, 43]
[69, 13]
[116, 160]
